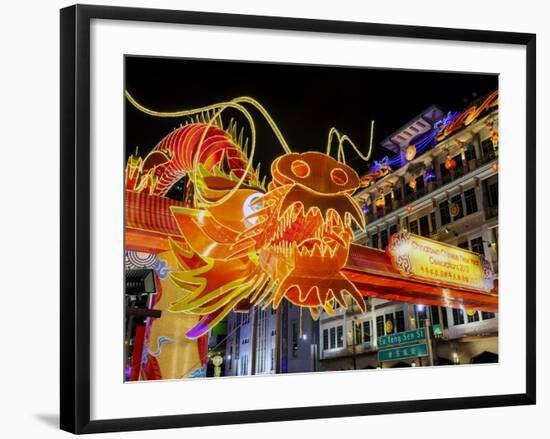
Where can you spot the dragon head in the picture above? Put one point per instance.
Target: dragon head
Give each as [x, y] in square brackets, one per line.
[304, 229]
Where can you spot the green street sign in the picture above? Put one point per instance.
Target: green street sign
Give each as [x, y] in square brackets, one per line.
[402, 352]
[438, 330]
[402, 337]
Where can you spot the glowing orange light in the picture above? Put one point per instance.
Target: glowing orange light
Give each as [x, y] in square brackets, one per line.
[450, 164]
[495, 166]
[410, 153]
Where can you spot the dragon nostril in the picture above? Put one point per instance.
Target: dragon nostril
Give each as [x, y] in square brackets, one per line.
[300, 168]
[339, 176]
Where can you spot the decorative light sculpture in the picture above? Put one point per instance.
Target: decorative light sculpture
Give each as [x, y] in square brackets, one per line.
[410, 152]
[247, 243]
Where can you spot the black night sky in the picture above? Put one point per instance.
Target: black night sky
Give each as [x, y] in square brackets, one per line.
[305, 101]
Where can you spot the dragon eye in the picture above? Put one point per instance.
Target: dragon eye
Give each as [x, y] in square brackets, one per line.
[300, 168]
[339, 176]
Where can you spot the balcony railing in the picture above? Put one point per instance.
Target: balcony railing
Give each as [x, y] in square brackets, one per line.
[410, 197]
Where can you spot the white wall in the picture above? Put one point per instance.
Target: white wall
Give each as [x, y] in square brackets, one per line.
[29, 120]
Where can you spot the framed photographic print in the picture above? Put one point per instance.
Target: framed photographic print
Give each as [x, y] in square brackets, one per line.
[260, 214]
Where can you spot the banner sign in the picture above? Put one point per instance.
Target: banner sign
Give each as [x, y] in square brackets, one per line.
[425, 259]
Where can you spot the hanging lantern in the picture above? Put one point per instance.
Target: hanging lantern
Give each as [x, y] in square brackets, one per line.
[495, 166]
[450, 164]
[410, 153]
[409, 209]
[380, 202]
[412, 183]
[471, 312]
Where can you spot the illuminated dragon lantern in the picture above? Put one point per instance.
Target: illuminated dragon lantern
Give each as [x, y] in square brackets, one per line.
[248, 244]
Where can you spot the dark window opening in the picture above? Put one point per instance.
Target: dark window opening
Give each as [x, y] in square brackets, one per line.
[458, 316]
[470, 200]
[444, 212]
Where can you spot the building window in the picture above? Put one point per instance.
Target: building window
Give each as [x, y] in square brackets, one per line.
[444, 317]
[339, 336]
[399, 321]
[333, 337]
[384, 239]
[422, 315]
[420, 184]
[470, 200]
[477, 246]
[485, 315]
[393, 229]
[458, 317]
[325, 339]
[470, 152]
[397, 194]
[272, 359]
[435, 314]
[230, 358]
[493, 194]
[379, 326]
[444, 212]
[413, 227]
[458, 160]
[387, 200]
[487, 147]
[457, 199]
[424, 226]
[366, 332]
[473, 318]
[443, 171]
[357, 336]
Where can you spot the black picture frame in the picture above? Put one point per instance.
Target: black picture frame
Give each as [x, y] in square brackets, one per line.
[75, 217]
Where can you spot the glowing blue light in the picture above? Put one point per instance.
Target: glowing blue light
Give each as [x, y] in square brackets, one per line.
[429, 175]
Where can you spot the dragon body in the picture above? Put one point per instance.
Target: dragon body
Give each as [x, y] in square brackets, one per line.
[247, 243]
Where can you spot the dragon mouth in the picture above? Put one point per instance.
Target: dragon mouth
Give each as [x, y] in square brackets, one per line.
[312, 231]
[332, 207]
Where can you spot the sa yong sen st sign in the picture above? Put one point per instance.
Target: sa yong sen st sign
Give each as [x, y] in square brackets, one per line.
[425, 259]
[402, 337]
